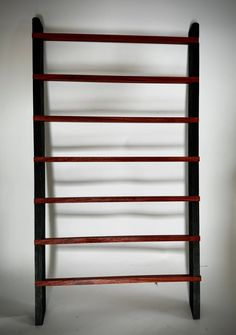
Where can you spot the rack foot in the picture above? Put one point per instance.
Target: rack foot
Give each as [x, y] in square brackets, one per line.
[194, 299]
[40, 305]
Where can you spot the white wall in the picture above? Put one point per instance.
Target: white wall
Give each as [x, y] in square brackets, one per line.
[131, 309]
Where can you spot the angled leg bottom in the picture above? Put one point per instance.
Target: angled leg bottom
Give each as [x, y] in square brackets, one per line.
[40, 305]
[194, 299]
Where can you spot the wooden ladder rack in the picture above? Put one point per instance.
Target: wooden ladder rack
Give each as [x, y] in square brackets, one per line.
[39, 118]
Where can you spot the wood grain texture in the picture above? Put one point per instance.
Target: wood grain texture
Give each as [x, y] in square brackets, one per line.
[118, 280]
[48, 159]
[115, 119]
[115, 38]
[117, 239]
[116, 199]
[115, 79]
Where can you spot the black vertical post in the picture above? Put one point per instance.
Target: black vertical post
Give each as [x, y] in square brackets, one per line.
[193, 171]
[39, 173]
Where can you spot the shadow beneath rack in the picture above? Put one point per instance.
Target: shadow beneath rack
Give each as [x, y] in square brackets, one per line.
[117, 180]
[21, 311]
[50, 210]
[121, 247]
[119, 214]
[55, 213]
[231, 238]
[106, 111]
[109, 108]
[117, 146]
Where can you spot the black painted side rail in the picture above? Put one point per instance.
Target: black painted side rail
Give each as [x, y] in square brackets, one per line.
[115, 38]
[39, 173]
[89, 78]
[118, 280]
[193, 171]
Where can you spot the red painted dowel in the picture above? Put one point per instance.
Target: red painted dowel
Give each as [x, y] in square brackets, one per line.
[118, 280]
[117, 239]
[115, 119]
[116, 199]
[115, 38]
[48, 159]
[115, 79]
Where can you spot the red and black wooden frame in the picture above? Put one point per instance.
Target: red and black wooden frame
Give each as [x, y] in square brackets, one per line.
[192, 160]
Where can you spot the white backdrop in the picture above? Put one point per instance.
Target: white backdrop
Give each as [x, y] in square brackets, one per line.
[127, 309]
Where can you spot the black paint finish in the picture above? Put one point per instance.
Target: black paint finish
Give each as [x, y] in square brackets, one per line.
[39, 174]
[193, 172]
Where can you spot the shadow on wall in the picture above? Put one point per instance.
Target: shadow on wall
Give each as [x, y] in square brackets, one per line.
[232, 245]
[52, 181]
[55, 213]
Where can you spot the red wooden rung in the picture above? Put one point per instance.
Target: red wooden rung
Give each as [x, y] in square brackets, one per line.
[118, 280]
[115, 119]
[117, 159]
[115, 38]
[117, 239]
[115, 79]
[116, 199]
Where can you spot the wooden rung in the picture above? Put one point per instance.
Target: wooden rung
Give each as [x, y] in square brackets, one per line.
[115, 38]
[117, 239]
[115, 79]
[116, 199]
[118, 280]
[115, 119]
[116, 159]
